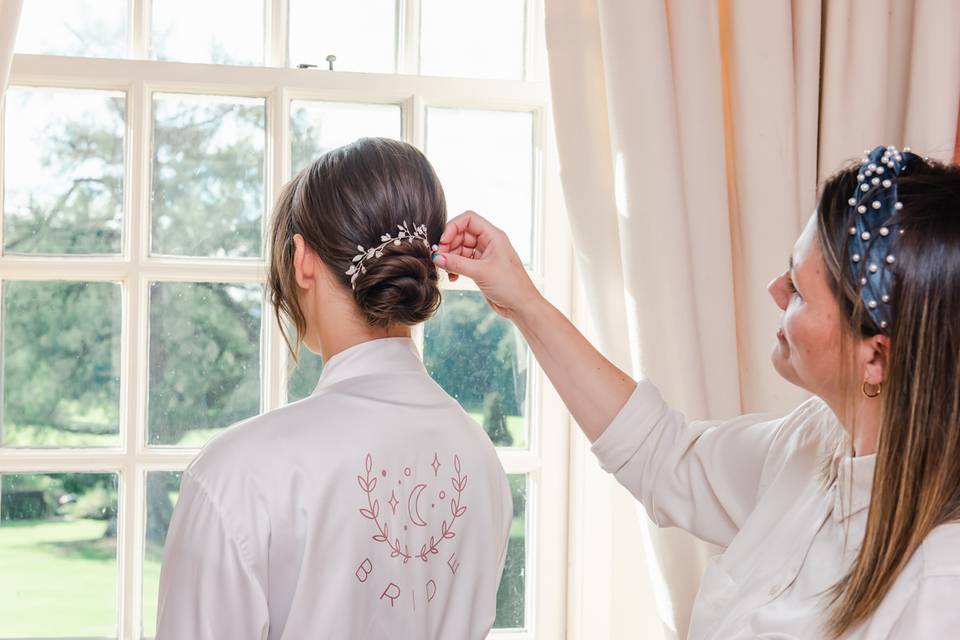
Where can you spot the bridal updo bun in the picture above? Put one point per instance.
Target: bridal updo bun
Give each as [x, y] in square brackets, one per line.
[344, 205]
[401, 286]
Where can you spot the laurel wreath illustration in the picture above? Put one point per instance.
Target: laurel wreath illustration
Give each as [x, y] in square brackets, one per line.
[397, 550]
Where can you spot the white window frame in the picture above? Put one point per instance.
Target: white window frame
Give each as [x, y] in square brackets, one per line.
[545, 459]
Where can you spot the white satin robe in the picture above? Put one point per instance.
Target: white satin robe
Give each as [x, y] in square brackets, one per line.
[375, 508]
[756, 487]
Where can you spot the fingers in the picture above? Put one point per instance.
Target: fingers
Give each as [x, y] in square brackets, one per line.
[457, 264]
[469, 229]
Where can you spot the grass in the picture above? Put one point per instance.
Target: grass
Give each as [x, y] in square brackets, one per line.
[20, 435]
[65, 579]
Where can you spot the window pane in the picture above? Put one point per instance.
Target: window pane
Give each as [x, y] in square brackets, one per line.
[208, 175]
[58, 551]
[495, 178]
[472, 39]
[317, 127]
[361, 33]
[204, 359]
[493, 388]
[510, 596]
[63, 175]
[94, 28]
[61, 364]
[163, 489]
[211, 31]
[303, 379]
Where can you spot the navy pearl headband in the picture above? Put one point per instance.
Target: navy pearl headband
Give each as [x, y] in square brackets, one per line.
[873, 208]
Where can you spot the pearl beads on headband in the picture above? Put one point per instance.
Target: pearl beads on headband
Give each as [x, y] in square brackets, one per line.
[873, 217]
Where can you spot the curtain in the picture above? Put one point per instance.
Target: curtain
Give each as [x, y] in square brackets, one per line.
[691, 136]
[9, 17]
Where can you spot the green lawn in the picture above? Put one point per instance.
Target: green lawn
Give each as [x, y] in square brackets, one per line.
[64, 579]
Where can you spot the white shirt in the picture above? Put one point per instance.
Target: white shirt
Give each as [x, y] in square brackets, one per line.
[375, 508]
[756, 487]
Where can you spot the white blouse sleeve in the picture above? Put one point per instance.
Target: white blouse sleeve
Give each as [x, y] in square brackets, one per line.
[207, 589]
[932, 612]
[703, 477]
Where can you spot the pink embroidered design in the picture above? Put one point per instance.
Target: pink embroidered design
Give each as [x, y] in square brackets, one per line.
[368, 484]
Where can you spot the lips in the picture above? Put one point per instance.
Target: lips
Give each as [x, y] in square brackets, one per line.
[781, 336]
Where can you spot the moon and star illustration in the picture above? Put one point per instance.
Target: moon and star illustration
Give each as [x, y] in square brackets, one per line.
[416, 494]
[418, 502]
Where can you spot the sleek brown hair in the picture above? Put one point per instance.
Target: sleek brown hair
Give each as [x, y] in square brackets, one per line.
[916, 484]
[349, 197]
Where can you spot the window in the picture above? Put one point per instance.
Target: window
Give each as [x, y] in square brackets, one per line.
[136, 189]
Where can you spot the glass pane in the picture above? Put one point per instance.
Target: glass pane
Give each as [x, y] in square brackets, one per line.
[211, 31]
[94, 28]
[61, 364]
[493, 389]
[362, 34]
[495, 178]
[208, 175]
[163, 489]
[204, 359]
[63, 179]
[317, 127]
[510, 595]
[303, 379]
[472, 39]
[58, 551]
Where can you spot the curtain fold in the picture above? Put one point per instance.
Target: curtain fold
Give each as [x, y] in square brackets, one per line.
[9, 18]
[691, 139]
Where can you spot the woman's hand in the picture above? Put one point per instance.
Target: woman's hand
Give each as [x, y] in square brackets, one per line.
[472, 246]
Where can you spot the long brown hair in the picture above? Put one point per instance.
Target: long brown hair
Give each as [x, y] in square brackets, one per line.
[916, 484]
[349, 197]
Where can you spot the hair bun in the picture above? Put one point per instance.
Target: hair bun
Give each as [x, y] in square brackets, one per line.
[402, 286]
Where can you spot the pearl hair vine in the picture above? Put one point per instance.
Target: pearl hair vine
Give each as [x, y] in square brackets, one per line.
[359, 265]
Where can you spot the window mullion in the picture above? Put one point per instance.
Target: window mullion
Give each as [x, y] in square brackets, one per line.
[408, 36]
[140, 11]
[136, 225]
[278, 168]
[276, 29]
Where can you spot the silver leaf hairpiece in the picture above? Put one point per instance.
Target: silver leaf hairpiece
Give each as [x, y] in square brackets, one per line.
[419, 233]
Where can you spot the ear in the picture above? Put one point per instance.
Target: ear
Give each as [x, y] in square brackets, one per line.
[305, 263]
[877, 358]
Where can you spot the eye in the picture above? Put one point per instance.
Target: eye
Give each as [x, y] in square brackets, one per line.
[791, 287]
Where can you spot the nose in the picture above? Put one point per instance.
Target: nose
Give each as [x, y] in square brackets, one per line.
[778, 291]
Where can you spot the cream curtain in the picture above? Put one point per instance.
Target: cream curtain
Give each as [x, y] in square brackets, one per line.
[9, 18]
[692, 135]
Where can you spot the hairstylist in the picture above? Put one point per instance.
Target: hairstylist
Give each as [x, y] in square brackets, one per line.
[842, 518]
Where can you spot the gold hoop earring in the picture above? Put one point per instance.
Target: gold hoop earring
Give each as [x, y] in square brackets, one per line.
[863, 389]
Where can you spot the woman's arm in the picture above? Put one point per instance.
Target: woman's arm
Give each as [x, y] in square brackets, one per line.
[702, 476]
[593, 389]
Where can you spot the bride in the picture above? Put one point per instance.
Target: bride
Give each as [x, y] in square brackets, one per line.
[376, 507]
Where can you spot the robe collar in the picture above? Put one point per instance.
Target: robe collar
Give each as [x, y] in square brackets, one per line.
[381, 355]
